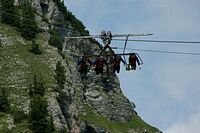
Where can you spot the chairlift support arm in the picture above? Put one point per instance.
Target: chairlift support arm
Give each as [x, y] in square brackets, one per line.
[141, 62]
[125, 48]
[113, 36]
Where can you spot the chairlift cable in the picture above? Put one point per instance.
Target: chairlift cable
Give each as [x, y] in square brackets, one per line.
[27, 19]
[160, 41]
[157, 41]
[162, 51]
[19, 16]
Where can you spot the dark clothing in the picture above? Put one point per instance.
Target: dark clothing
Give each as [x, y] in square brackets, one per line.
[116, 68]
[132, 61]
[99, 64]
[99, 70]
[83, 65]
[116, 63]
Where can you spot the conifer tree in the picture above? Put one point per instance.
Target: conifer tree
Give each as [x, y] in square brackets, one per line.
[60, 75]
[38, 109]
[9, 12]
[4, 103]
[38, 114]
[37, 87]
[28, 24]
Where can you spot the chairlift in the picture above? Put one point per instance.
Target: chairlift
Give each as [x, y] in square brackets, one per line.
[106, 38]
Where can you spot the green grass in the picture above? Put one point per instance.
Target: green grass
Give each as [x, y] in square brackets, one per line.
[21, 128]
[115, 127]
[35, 64]
[19, 65]
[9, 30]
[19, 58]
[3, 123]
[17, 68]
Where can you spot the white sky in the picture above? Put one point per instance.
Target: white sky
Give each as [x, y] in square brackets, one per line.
[166, 90]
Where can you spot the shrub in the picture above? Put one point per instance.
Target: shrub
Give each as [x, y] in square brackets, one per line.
[55, 40]
[60, 75]
[35, 48]
[19, 116]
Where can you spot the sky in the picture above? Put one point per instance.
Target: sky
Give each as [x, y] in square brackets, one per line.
[166, 88]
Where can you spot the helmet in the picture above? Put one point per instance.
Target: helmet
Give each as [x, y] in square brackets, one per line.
[103, 33]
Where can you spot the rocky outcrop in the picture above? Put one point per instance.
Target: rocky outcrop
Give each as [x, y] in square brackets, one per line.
[105, 95]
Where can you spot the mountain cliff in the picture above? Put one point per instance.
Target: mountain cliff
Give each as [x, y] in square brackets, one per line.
[87, 103]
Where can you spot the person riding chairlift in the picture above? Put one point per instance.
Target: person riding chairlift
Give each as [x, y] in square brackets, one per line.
[83, 64]
[132, 61]
[99, 64]
[116, 63]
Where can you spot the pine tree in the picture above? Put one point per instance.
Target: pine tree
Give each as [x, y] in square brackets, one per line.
[38, 115]
[28, 24]
[4, 103]
[9, 13]
[60, 75]
[37, 88]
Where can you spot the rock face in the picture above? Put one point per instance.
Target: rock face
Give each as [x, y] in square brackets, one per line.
[106, 97]
[89, 103]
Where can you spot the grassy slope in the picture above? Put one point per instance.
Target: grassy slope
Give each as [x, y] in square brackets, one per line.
[115, 127]
[17, 68]
[18, 57]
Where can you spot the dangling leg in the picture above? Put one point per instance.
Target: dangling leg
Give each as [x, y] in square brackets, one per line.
[133, 67]
[118, 69]
[101, 70]
[96, 70]
[114, 70]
